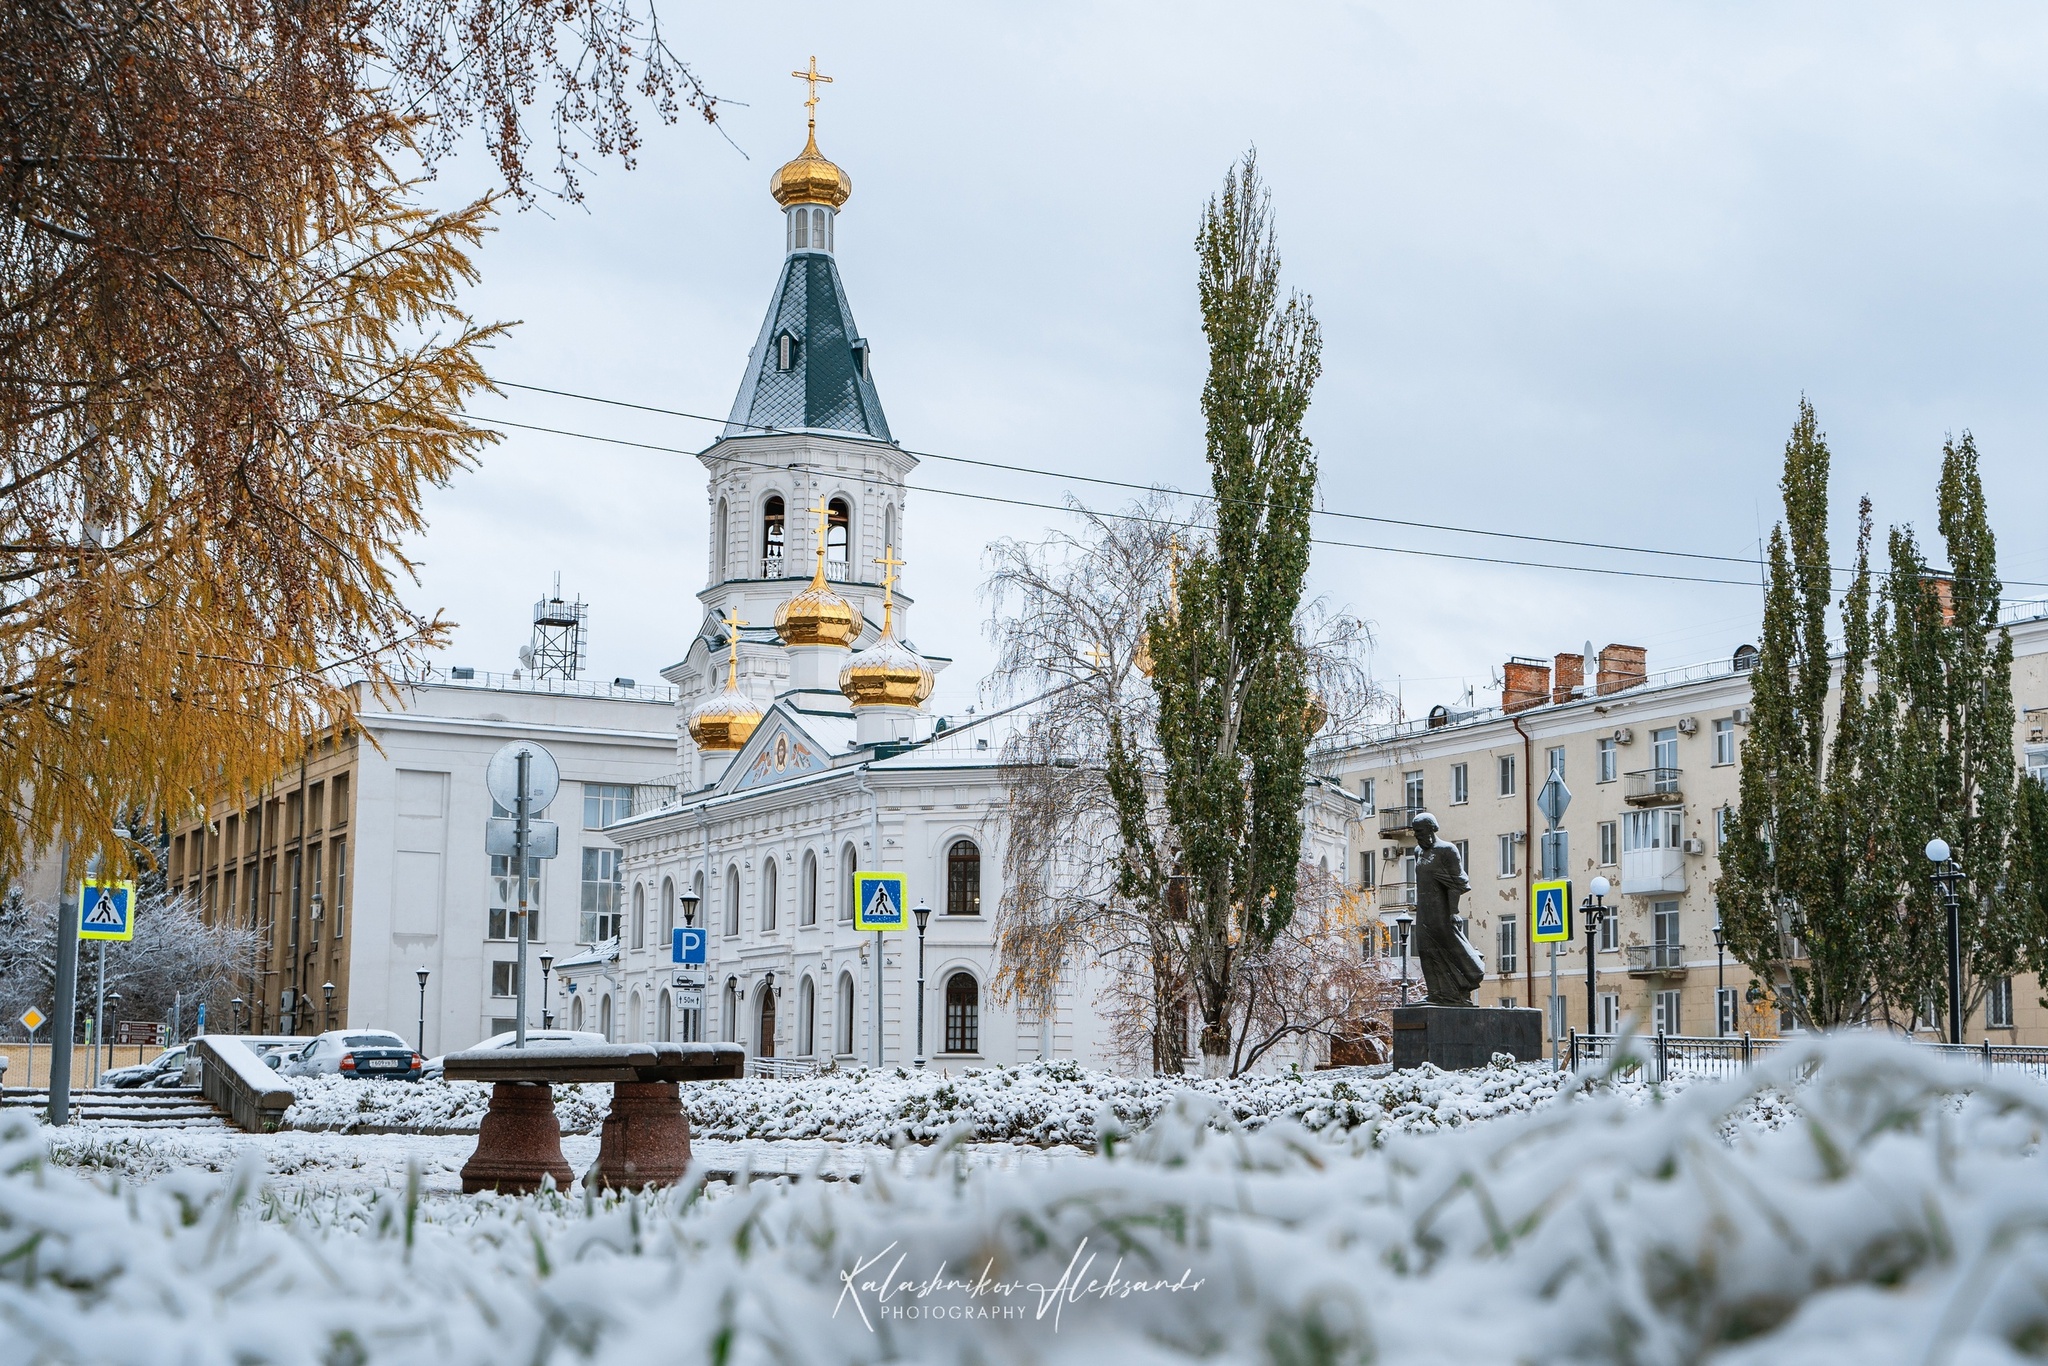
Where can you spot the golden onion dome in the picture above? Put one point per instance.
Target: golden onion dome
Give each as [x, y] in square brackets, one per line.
[1142, 655]
[1315, 715]
[810, 179]
[723, 720]
[886, 674]
[817, 616]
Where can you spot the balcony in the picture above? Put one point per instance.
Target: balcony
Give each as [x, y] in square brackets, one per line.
[1648, 872]
[1651, 787]
[781, 566]
[1655, 960]
[1395, 896]
[1394, 822]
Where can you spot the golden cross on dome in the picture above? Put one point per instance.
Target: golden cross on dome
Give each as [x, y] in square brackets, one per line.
[732, 625]
[1099, 655]
[814, 80]
[823, 512]
[890, 564]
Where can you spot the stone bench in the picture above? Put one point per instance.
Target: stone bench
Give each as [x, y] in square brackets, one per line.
[646, 1136]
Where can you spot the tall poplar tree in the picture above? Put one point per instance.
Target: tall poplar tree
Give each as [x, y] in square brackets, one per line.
[1230, 670]
[1946, 673]
[1799, 893]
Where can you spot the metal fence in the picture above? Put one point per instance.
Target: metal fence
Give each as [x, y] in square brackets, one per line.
[782, 1069]
[1660, 1056]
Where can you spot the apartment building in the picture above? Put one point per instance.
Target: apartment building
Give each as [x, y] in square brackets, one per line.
[367, 862]
[1651, 763]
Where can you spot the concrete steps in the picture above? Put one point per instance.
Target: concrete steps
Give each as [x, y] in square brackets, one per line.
[170, 1108]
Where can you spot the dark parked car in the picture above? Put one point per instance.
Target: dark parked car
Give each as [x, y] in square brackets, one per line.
[356, 1053]
[166, 1069]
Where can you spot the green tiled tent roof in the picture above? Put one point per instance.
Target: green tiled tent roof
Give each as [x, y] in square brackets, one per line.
[824, 389]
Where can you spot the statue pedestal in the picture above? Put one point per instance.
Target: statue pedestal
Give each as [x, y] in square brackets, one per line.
[1454, 1037]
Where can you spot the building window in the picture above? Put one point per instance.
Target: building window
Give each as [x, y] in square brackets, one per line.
[668, 910]
[1507, 856]
[732, 902]
[963, 879]
[601, 895]
[1464, 848]
[1461, 786]
[1411, 791]
[504, 914]
[1506, 771]
[2037, 765]
[889, 512]
[337, 807]
[635, 1018]
[770, 894]
[843, 1021]
[807, 891]
[849, 863]
[1724, 822]
[1724, 1011]
[773, 536]
[1610, 843]
[719, 536]
[1664, 747]
[1610, 1013]
[664, 1017]
[1507, 942]
[1667, 950]
[575, 1013]
[1368, 794]
[1368, 868]
[504, 979]
[1553, 759]
[1724, 740]
[639, 916]
[606, 803]
[1667, 1017]
[1998, 1004]
[963, 1014]
[1610, 930]
[1608, 760]
[785, 342]
[1658, 829]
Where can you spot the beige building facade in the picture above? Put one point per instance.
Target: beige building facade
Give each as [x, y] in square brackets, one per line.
[1651, 764]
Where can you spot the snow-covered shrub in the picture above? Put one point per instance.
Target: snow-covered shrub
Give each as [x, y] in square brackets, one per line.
[1904, 1205]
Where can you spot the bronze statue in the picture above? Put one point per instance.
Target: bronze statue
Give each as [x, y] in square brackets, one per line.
[1451, 967]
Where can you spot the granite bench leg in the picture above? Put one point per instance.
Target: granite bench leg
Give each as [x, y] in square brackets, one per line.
[646, 1137]
[518, 1143]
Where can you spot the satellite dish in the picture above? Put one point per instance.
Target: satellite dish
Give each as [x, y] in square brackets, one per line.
[526, 655]
[543, 776]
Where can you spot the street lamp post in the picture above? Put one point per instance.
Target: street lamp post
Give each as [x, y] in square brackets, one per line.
[1945, 876]
[424, 973]
[1406, 923]
[547, 994]
[327, 1002]
[1595, 911]
[1720, 981]
[923, 914]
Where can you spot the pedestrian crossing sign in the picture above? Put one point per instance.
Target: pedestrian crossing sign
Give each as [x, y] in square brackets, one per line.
[1552, 911]
[106, 910]
[878, 901]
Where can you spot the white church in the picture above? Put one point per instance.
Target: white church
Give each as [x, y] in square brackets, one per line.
[807, 751]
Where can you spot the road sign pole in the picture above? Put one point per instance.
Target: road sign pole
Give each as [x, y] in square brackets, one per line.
[99, 1014]
[875, 1032]
[1556, 1060]
[519, 864]
[63, 1024]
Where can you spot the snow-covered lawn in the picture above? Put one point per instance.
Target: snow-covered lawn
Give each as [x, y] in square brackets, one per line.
[1045, 1104]
[1900, 1214]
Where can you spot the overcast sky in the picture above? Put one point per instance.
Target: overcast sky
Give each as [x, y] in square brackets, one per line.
[1574, 265]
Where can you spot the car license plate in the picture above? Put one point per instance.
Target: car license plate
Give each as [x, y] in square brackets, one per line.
[385, 1063]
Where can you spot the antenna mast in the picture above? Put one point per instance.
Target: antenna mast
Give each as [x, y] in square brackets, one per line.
[560, 635]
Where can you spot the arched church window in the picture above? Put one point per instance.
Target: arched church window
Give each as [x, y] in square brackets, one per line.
[633, 1018]
[718, 539]
[963, 1014]
[576, 1013]
[850, 864]
[770, 891]
[639, 916]
[772, 530]
[843, 1022]
[807, 904]
[604, 1018]
[806, 1018]
[732, 901]
[668, 910]
[889, 538]
[803, 230]
[818, 228]
[838, 536]
[664, 1017]
[963, 879]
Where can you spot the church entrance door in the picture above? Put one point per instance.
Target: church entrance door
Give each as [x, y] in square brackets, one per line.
[765, 1040]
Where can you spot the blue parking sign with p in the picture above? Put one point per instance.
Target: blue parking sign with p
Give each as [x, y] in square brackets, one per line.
[878, 901]
[688, 947]
[1552, 911]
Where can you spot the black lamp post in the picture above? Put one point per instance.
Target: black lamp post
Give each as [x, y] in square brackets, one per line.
[1594, 911]
[1404, 923]
[423, 975]
[235, 1007]
[1720, 981]
[113, 1015]
[924, 915]
[327, 1000]
[547, 995]
[690, 909]
[1945, 877]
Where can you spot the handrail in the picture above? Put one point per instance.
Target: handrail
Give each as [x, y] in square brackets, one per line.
[235, 1081]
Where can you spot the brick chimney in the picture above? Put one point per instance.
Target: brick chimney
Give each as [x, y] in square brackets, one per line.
[1622, 666]
[1945, 597]
[1525, 684]
[1567, 676]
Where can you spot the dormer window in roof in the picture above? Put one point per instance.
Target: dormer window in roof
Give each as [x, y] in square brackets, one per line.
[860, 357]
[809, 228]
[786, 348]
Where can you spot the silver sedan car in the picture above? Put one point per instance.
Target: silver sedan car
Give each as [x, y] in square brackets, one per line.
[356, 1053]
